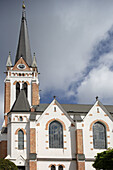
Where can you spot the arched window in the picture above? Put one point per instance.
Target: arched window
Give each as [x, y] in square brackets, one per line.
[20, 139]
[60, 167]
[17, 89]
[55, 135]
[99, 136]
[53, 167]
[25, 88]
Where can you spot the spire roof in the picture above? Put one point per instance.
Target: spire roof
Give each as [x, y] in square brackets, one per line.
[23, 49]
[21, 104]
[9, 62]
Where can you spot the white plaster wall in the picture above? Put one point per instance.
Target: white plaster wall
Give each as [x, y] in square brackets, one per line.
[90, 152]
[13, 139]
[43, 150]
[44, 165]
[88, 166]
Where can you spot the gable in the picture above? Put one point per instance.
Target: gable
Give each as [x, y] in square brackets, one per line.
[55, 111]
[98, 111]
[21, 61]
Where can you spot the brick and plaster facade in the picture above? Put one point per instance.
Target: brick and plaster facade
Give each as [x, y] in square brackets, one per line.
[27, 138]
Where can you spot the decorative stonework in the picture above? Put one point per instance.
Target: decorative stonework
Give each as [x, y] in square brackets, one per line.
[20, 129]
[47, 124]
[51, 165]
[46, 113]
[38, 124]
[21, 61]
[61, 165]
[101, 121]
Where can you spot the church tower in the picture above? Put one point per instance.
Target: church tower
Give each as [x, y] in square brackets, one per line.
[23, 74]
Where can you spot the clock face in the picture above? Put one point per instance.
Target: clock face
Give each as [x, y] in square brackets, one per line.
[21, 66]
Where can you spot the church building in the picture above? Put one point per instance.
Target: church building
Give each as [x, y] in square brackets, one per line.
[49, 136]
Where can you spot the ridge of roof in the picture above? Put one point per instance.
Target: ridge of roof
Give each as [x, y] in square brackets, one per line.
[73, 108]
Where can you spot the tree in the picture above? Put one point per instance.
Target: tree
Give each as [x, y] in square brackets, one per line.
[104, 160]
[5, 164]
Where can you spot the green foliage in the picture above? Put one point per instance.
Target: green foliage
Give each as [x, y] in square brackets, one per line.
[5, 164]
[104, 160]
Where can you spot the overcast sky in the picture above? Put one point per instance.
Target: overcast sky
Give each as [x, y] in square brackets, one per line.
[73, 42]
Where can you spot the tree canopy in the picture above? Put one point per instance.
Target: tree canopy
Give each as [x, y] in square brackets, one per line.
[5, 164]
[104, 160]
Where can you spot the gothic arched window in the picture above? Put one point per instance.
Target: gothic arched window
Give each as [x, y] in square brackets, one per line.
[60, 167]
[20, 139]
[17, 89]
[53, 167]
[25, 88]
[99, 136]
[55, 135]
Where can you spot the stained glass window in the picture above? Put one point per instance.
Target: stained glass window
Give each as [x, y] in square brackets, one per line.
[99, 136]
[55, 135]
[60, 167]
[20, 139]
[53, 167]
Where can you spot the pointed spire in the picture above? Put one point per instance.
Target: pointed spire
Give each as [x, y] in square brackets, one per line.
[23, 49]
[9, 62]
[34, 63]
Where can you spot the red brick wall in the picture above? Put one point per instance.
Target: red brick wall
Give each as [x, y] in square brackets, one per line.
[35, 94]
[79, 148]
[80, 165]
[32, 140]
[3, 149]
[7, 100]
[32, 165]
[79, 141]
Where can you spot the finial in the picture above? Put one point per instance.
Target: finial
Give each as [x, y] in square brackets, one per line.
[54, 97]
[33, 54]
[23, 6]
[9, 52]
[96, 98]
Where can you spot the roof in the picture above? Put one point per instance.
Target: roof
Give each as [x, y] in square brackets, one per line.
[4, 130]
[23, 49]
[74, 108]
[21, 104]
